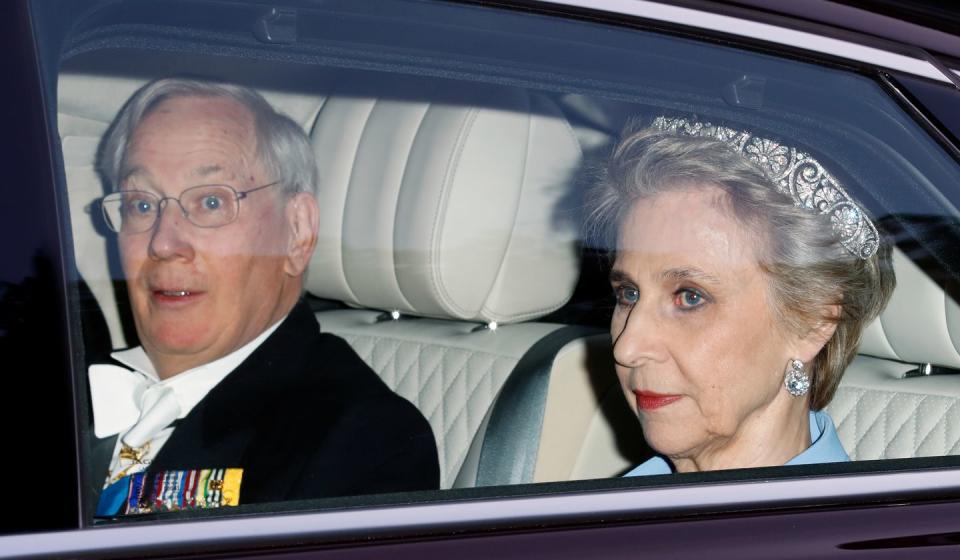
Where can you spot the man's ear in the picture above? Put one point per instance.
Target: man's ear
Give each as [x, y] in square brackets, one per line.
[818, 336]
[303, 216]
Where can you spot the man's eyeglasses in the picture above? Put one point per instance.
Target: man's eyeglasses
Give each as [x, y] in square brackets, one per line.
[206, 206]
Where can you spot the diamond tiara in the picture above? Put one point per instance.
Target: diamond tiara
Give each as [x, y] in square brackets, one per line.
[794, 173]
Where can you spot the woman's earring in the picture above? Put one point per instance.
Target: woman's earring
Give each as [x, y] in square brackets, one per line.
[796, 379]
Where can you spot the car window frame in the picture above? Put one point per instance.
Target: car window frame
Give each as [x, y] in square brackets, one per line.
[471, 509]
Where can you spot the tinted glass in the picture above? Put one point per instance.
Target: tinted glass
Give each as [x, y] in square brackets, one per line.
[455, 148]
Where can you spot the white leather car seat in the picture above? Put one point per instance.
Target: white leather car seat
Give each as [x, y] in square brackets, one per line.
[880, 413]
[448, 205]
[444, 221]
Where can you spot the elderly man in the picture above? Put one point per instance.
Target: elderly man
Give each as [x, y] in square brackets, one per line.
[234, 396]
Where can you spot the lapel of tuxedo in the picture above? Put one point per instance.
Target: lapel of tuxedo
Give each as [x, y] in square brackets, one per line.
[219, 431]
[98, 462]
[101, 451]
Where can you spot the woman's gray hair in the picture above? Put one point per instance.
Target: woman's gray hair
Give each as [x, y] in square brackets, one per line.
[282, 146]
[811, 273]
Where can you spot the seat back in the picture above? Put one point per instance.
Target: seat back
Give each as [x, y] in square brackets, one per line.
[881, 413]
[445, 205]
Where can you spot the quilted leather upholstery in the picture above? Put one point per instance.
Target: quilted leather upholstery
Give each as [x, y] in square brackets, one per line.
[881, 415]
[449, 370]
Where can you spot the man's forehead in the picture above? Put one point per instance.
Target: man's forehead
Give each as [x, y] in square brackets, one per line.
[197, 115]
[205, 136]
[198, 174]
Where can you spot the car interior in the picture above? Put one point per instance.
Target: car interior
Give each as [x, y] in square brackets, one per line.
[451, 255]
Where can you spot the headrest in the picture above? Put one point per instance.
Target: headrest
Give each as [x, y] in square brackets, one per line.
[920, 325]
[457, 207]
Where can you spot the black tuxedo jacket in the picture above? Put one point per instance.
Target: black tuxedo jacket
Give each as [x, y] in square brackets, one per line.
[304, 417]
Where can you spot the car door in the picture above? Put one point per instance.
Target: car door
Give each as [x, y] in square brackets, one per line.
[876, 108]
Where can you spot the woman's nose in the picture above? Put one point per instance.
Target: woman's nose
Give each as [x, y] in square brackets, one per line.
[171, 237]
[636, 338]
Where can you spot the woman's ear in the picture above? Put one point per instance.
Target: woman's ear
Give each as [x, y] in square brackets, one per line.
[817, 337]
[303, 217]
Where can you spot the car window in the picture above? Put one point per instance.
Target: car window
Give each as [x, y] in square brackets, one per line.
[473, 315]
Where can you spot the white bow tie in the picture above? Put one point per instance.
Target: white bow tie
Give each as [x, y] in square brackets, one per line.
[127, 402]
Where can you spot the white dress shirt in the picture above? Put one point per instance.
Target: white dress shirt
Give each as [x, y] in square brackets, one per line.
[140, 407]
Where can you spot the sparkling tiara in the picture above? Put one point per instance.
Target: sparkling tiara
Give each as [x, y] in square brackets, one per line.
[794, 173]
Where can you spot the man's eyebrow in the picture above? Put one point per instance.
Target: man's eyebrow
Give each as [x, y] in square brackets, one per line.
[688, 273]
[206, 170]
[127, 172]
[617, 275]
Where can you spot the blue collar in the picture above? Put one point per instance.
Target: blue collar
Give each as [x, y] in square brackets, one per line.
[826, 448]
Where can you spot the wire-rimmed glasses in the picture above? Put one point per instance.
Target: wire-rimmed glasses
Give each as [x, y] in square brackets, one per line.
[206, 206]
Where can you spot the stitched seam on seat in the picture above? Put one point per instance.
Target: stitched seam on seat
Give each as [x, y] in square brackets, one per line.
[396, 206]
[865, 400]
[484, 307]
[312, 119]
[412, 368]
[940, 421]
[856, 422]
[886, 339]
[346, 199]
[883, 418]
[470, 393]
[373, 339]
[878, 421]
[890, 441]
[462, 370]
[534, 313]
[434, 371]
[493, 370]
[870, 424]
[452, 164]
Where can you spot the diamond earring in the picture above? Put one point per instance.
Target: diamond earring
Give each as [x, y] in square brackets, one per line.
[795, 379]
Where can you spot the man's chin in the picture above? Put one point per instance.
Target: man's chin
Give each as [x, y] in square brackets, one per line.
[177, 344]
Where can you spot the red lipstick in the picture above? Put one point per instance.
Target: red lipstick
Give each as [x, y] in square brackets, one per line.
[648, 400]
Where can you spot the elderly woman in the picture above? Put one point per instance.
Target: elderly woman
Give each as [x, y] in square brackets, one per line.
[744, 276]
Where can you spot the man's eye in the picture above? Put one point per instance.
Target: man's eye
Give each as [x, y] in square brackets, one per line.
[626, 295]
[211, 203]
[687, 299]
[140, 206]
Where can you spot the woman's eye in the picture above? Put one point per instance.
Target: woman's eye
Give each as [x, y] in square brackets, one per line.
[688, 299]
[626, 295]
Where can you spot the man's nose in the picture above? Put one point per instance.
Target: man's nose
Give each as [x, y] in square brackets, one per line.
[637, 338]
[171, 233]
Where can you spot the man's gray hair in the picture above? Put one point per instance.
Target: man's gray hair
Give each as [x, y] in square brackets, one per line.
[282, 146]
